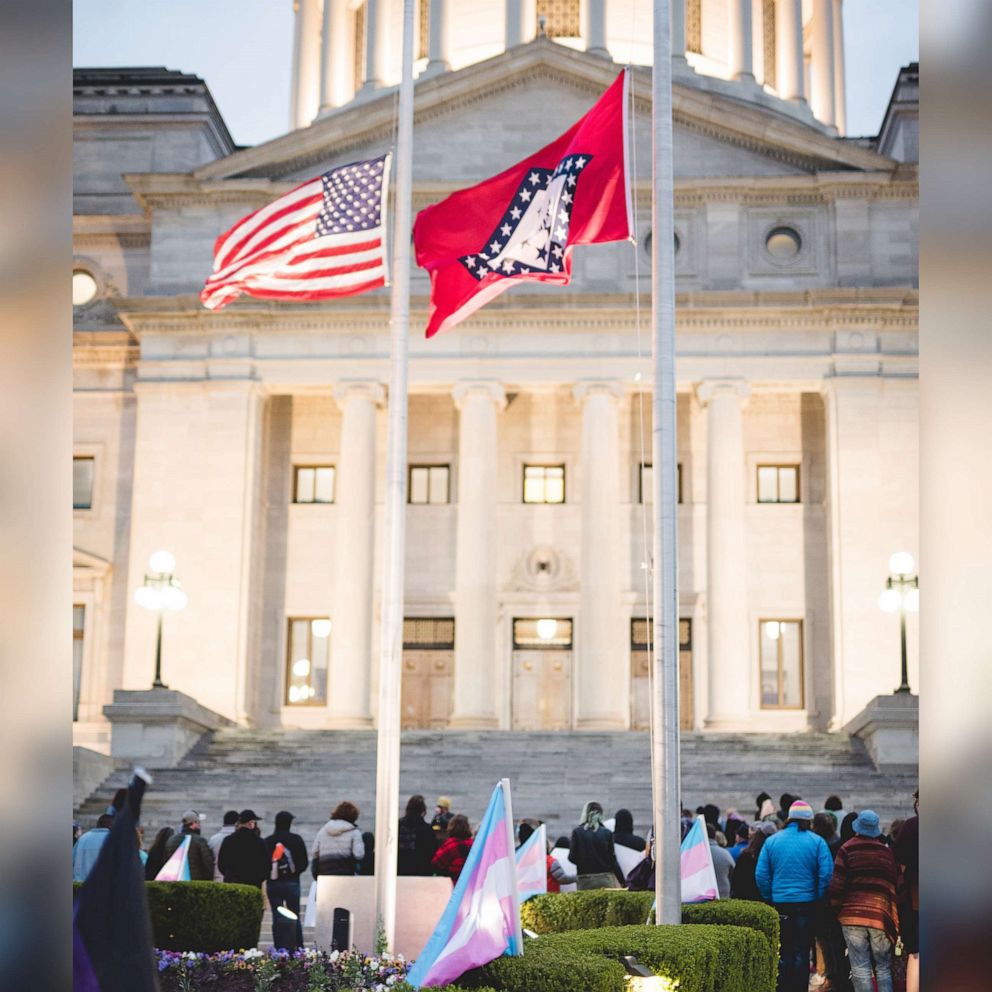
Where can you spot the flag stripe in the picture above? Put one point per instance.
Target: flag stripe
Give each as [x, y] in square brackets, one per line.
[323, 239]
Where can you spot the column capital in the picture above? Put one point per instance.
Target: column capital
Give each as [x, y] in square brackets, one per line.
[709, 388]
[597, 387]
[489, 389]
[368, 388]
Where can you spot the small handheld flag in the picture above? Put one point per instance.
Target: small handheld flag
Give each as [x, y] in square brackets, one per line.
[522, 224]
[176, 869]
[698, 876]
[532, 865]
[482, 918]
[324, 239]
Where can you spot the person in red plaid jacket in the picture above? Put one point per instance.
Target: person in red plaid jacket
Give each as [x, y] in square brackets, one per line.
[451, 855]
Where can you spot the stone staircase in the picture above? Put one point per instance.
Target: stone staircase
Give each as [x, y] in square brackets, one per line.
[551, 774]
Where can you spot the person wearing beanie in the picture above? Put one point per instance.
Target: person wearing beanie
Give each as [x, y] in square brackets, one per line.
[793, 874]
[227, 828]
[201, 858]
[863, 894]
[442, 818]
[287, 854]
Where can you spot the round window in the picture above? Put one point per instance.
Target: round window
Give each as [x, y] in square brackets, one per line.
[676, 244]
[84, 288]
[783, 243]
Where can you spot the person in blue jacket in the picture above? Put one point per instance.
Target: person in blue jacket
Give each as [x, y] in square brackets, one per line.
[793, 874]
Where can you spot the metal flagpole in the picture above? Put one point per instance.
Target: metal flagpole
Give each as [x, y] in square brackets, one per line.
[665, 685]
[387, 779]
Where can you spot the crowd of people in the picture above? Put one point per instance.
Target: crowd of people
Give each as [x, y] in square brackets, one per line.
[847, 894]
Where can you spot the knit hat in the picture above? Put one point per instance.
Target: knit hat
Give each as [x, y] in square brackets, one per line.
[444, 802]
[866, 825]
[800, 810]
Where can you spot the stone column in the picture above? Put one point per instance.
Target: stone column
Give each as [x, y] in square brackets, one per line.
[306, 62]
[729, 637]
[349, 677]
[602, 669]
[521, 21]
[376, 42]
[333, 64]
[822, 76]
[840, 88]
[596, 27]
[475, 690]
[790, 76]
[439, 42]
[740, 56]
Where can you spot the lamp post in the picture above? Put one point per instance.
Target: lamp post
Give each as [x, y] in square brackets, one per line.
[902, 593]
[159, 592]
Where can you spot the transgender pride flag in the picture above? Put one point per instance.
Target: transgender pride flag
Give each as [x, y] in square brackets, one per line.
[532, 865]
[482, 918]
[698, 876]
[176, 869]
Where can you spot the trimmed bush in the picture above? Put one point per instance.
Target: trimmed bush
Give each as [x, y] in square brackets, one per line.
[737, 913]
[700, 958]
[204, 916]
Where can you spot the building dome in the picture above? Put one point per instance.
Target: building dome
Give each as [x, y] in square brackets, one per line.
[786, 54]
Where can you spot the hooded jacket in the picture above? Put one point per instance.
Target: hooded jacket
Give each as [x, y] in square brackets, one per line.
[337, 849]
[201, 858]
[242, 858]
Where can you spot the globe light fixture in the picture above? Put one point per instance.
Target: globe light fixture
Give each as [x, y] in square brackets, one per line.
[159, 592]
[901, 595]
[546, 629]
[320, 627]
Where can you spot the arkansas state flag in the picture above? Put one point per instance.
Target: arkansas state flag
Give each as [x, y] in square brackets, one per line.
[521, 225]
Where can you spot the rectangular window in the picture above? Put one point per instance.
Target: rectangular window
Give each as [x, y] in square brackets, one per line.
[647, 482]
[82, 482]
[429, 484]
[544, 483]
[424, 18]
[778, 483]
[561, 18]
[546, 633]
[781, 648]
[429, 633]
[642, 635]
[78, 630]
[307, 653]
[313, 484]
[358, 54]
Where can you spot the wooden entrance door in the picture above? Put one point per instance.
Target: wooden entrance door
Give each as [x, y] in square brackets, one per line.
[640, 703]
[542, 690]
[428, 672]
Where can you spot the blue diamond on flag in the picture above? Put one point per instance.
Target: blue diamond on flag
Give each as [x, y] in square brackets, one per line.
[531, 235]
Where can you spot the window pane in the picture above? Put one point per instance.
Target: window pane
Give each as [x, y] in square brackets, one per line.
[320, 650]
[788, 484]
[324, 484]
[647, 482]
[767, 484]
[419, 485]
[554, 485]
[533, 484]
[82, 483]
[792, 664]
[546, 632]
[770, 633]
[438, 484]
[304, 485]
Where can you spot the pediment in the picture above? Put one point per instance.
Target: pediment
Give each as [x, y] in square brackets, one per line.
[94, 564]
[474, 122]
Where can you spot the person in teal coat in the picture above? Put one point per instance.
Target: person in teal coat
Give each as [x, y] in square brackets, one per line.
[793, 874]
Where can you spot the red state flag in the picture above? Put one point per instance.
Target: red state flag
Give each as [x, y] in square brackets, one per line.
[521, 225]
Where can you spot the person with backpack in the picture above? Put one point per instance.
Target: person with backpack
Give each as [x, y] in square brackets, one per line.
[288, 860]
[338, 848]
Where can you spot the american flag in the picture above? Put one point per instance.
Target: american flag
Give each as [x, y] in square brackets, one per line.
[324, 239]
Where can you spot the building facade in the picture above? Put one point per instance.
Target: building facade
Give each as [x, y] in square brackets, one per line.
[250, 443]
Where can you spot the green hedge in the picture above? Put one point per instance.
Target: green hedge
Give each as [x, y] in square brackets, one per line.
[700, 958]
[204, 916]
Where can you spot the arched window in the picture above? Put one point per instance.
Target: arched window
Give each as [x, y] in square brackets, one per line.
[561, 18]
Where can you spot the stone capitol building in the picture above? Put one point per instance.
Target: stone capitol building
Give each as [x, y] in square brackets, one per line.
[250, 443]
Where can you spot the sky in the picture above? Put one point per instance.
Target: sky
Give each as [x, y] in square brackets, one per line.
[243, 49]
